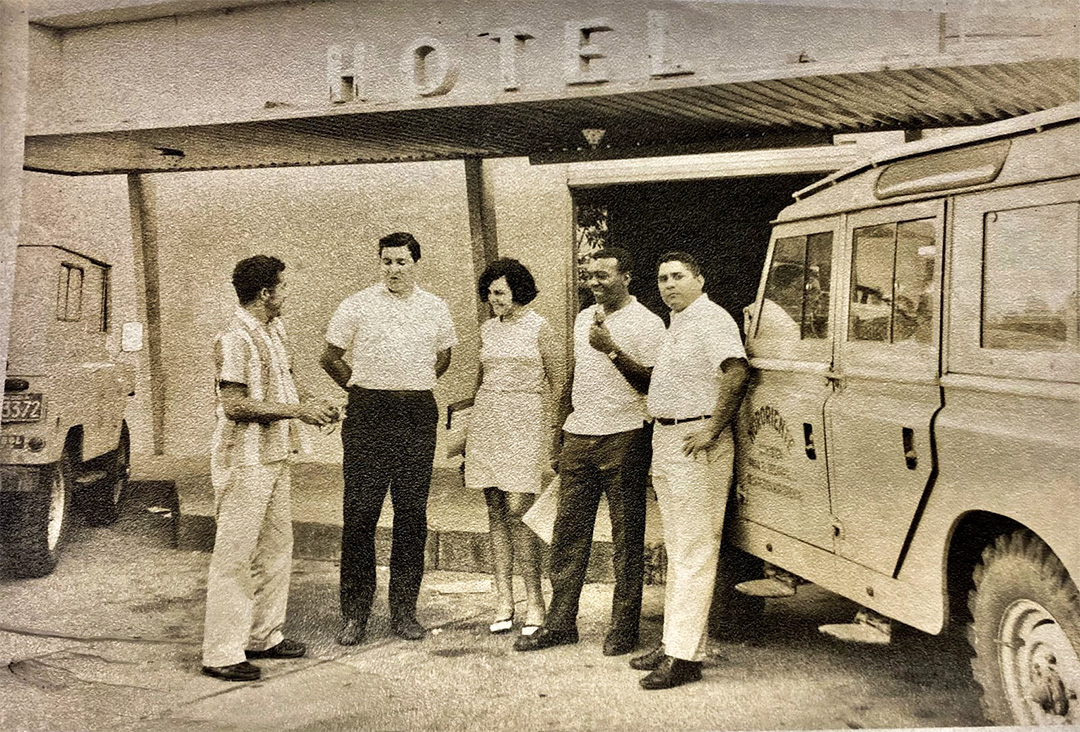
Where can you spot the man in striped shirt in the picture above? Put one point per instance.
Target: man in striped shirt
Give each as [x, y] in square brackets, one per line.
[248, 586]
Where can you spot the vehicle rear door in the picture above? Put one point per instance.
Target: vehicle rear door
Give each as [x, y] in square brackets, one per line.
[886, 389]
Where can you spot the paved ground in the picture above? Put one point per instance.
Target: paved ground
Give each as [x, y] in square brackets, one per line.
[111, 642]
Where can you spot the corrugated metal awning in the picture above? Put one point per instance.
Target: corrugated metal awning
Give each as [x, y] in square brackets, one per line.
[807, 105]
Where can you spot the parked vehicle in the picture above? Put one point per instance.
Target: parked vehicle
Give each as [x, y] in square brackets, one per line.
[62, 430]
[909, 438]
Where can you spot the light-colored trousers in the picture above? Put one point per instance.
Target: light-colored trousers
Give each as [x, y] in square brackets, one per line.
[248, 587]
[692, 495]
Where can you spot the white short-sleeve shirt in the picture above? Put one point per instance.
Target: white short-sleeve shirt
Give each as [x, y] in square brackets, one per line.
[684, 381]
[394, 340]
[604, 403]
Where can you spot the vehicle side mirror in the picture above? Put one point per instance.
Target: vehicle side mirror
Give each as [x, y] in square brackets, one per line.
[131, 337]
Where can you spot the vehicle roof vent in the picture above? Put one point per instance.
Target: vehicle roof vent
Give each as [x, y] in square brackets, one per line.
[942, 171]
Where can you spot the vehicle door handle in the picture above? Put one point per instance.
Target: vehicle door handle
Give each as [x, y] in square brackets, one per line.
[835, 381]
[910, 457]
[808, 437]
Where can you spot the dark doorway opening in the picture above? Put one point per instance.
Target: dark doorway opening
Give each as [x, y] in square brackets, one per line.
[724, 223]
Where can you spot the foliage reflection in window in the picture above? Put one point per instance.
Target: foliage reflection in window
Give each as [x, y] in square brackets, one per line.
[1030, 278]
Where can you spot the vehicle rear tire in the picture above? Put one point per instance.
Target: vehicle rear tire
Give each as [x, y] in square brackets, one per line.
[1025, 631]
[37, 522]
[733, 614]
[100, 502]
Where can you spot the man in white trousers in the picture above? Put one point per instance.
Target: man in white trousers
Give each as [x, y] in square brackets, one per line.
[697, 384]
[256, 433]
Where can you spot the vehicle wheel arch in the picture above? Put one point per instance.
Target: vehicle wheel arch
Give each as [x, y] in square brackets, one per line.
[971, 533]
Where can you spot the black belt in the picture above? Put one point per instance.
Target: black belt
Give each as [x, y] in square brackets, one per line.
[668, 421]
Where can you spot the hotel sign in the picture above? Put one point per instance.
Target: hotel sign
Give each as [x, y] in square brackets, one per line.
[430, 67]
[525, 49]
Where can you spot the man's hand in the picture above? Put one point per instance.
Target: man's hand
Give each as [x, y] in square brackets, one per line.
[700, 441]
[316, 412]
[599, 336]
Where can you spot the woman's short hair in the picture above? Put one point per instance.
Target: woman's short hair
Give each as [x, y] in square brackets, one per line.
[250, 276]
[518, 277]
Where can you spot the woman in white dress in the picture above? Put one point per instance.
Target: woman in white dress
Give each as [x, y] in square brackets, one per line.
[508, 448]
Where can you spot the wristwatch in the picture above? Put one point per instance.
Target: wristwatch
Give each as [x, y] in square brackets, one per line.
[613, 355]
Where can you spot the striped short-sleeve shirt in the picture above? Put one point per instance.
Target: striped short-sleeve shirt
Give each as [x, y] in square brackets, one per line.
[249, 353]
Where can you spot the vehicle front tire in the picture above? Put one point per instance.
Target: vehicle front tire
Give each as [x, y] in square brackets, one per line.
[100, 502]
[1025, 631]
[37, 522]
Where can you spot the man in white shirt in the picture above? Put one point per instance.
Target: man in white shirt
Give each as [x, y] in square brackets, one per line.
[697, 384]
[248, 586]
[605, 452]
[400, 337]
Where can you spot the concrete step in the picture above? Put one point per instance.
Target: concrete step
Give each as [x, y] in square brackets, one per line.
[457, 517]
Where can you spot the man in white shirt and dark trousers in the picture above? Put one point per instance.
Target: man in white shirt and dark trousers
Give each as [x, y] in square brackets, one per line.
[694, 394]
[605, 451]
[400, 337]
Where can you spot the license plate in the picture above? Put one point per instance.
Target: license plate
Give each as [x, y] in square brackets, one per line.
[22, 408]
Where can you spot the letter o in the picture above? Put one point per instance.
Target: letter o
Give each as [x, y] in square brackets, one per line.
[430, 67]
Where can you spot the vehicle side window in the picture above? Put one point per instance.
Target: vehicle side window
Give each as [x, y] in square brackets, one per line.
[893, 282]
[796, 305]
[69, 293]
[1030, 275]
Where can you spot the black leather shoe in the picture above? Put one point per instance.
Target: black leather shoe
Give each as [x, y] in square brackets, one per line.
[649, 661]
[672, 672]
[407, 628]
[242, 671]
[352, 633]
[285, 649]
[617, 644]
[545, 638]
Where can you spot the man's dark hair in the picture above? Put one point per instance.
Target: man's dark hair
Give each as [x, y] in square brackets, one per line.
[253, 274]
[401, 239]
[518, 277]
[685, 257]
[624, 260]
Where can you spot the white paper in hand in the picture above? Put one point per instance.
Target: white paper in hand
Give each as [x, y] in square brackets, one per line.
[541, 515]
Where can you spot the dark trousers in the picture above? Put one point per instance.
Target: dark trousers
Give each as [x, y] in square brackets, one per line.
[389, 442]
[590, 465]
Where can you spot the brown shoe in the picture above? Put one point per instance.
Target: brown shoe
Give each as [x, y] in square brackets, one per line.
[649, 661]
[242, 671]
[285, 649]
[545, 638]
[672, 672]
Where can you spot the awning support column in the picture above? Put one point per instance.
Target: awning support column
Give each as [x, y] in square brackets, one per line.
[485, 245]
[148, 298]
